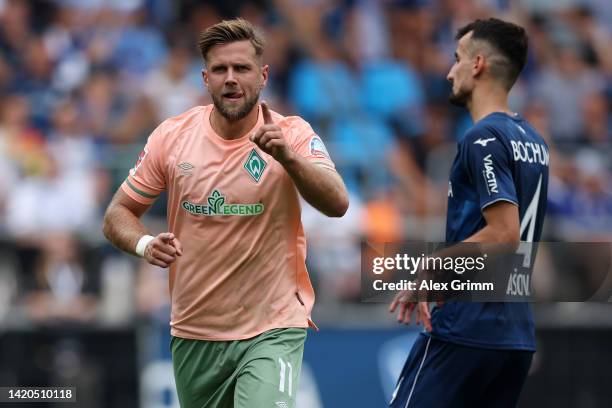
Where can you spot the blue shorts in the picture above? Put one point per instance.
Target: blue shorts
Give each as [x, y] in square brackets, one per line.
[439, 374]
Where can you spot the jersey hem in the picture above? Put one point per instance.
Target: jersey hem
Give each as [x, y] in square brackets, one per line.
[135, 196]
[178, 333]
[139, 191]
[323, 163]
[475, 344]
[496, 200]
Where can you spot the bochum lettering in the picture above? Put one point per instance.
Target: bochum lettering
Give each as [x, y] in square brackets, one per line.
[529, 152]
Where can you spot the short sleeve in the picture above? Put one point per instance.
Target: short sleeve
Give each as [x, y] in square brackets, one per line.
[146, 180]
[310, 146]
[488, 163]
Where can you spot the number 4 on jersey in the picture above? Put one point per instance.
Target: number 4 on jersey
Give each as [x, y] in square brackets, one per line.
[528, 224]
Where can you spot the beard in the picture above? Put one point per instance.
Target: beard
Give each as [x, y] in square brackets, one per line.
[234, 114]
[460, 98]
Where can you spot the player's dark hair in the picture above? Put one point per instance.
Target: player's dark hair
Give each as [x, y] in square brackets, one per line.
[507, 39]
[228, 31]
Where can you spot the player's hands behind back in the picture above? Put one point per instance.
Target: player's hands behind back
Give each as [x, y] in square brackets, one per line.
[407, 302]
[163, 250]
[269, 137]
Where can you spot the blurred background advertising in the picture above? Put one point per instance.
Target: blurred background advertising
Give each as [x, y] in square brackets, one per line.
[84, 82]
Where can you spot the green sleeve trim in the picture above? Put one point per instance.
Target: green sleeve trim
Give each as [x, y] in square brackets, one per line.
[138, 191]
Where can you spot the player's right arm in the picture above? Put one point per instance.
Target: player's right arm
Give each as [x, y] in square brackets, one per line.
[123, 228]
[122, 225]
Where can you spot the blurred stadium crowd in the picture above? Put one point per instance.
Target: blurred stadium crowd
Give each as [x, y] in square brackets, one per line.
[83, 83]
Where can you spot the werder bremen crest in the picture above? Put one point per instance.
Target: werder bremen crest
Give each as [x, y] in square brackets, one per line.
[255, 165]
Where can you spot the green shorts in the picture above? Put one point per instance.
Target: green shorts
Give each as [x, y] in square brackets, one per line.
[262, 371]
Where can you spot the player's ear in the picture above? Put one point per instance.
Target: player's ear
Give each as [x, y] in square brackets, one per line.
[478, 65]
[205, 76]
[265, 70]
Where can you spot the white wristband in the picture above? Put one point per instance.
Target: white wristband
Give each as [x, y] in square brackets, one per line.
[142, 244]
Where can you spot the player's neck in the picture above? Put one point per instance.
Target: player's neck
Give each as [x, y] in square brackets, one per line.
[233, 129]
[486, 100]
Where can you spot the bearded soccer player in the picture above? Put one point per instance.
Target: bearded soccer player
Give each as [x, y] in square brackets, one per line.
[478, 354]
[241, 295]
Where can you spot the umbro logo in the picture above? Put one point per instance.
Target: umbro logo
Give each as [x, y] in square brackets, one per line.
[483, 142]
[281, 404]
[185, 168]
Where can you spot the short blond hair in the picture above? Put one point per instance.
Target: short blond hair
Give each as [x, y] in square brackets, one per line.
[228, 31]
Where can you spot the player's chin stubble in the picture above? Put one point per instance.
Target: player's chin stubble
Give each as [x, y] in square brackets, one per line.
[459, 98]
[234, 115]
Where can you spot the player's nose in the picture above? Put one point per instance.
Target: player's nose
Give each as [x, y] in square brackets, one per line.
[230, 78]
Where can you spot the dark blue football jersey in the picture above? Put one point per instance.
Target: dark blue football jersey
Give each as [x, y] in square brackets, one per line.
[501, 158]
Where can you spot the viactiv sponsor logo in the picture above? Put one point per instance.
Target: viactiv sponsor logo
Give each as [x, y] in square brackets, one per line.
[489, 174]
[218, 207]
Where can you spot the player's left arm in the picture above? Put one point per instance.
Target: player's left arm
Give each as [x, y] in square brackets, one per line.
[503, 226]
[488, 164]
[321, 186]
